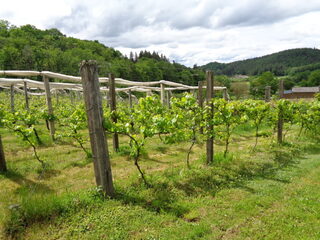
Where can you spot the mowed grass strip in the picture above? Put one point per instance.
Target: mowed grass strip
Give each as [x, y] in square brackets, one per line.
[266, 194]
[284, 205]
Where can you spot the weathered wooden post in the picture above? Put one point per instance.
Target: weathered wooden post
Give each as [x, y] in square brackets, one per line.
[3, 165]
[130, 98]
[57, 96]
[267, 94]
[193, 92]
[107, 94]
[72, 98]
[99, 145]
[162, 94]
[200, 93]
[280, 114]
[200, 99]
[49, 104]
[210, 95]
[225, 94]
[168, 97]
[113, 107]
[25, 88]
[12, 97]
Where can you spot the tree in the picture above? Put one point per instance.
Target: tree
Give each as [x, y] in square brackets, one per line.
[314, 78]
[257, 85]
[224, 80]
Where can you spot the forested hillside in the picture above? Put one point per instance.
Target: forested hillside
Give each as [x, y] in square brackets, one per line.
[29, 48]
[278, 63]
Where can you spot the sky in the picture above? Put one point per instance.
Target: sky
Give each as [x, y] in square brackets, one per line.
[187, 31]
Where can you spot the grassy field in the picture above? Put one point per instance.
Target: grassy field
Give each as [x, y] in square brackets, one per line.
[270, 193]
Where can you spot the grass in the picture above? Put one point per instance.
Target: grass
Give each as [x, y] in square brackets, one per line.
[271, 193]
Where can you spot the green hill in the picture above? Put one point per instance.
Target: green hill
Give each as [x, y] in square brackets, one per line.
[278, 63]
[29, 48]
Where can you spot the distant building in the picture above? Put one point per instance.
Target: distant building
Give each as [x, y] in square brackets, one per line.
[240, 76]
[301, 92]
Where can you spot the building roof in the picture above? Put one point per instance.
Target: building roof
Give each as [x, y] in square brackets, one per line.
[305, 89]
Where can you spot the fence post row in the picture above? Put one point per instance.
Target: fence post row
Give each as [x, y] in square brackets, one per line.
[49, 104]
[280, 114]
[210, 95]
[113, 107]
[99, 145]
[3, 165]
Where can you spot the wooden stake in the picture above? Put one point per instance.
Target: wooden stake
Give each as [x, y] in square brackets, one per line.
[225, 94]
[280, 115]
[49, 104]
[107, 98]
[130, 98]
[210, 95]
[200, 94]
[3, 165]
[26, 95]
[71, 93]
[168, 97]
[12, 97]
[200, 99]
[57, 96]
[162, 94]
[99, 145]
[267, 93]
[113, 107]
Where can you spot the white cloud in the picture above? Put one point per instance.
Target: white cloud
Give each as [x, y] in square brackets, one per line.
[188, 31]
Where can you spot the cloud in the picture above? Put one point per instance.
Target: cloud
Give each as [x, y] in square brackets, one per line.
[252, 13]
[75, 22]
[188, 31]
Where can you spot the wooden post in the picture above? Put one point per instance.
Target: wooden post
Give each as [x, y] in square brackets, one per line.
[200, 94]
[267, 93]
[78, 96]
[12, 97]
[57, 96]
[113, 107]
[99, 145]
[49, 104]
[162, 94]
[130, 98]
[200, 99]
[193, 92]
[3, 165]
[168, 98]
[210, 95]
[225, 94]
[71, 93]
[26, 95]
[281, 88]
[107, 98]
[280, 115]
